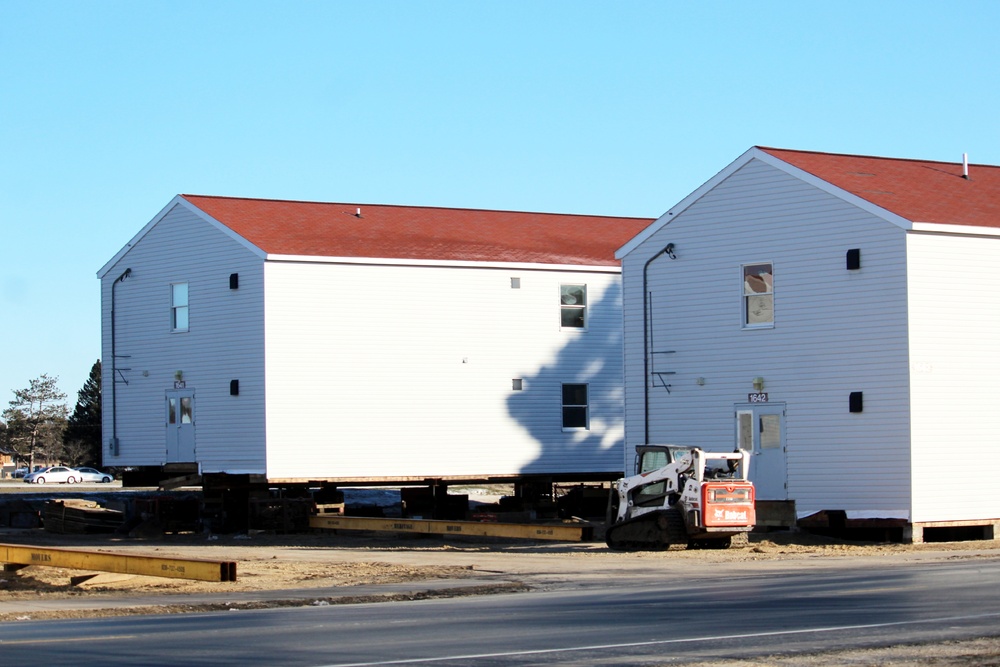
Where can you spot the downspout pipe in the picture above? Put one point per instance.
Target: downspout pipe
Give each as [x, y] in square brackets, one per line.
[667, 250]
[114, 365]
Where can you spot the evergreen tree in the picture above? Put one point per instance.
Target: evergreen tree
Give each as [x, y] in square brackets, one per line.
[35, 420]
[4, 448]
[82, 439]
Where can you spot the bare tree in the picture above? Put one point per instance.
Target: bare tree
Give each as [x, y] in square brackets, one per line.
[76, 453]
[36, 420]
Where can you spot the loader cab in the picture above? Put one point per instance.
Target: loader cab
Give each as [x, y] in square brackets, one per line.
[653, 457]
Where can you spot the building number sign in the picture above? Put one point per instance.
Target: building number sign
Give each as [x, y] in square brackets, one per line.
[759, 397]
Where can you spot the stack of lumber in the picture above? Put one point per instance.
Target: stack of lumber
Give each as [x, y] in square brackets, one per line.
[330, 508]
[80, 516]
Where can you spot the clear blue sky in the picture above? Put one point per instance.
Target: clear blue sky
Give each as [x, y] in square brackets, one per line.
[109, 109]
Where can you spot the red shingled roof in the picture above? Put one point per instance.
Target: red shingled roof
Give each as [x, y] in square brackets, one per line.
[918, 190]
[409, 232]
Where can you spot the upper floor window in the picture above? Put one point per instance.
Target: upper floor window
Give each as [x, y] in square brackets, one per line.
[758, 295]
[573, 306]
[179, 306]
[575, 406]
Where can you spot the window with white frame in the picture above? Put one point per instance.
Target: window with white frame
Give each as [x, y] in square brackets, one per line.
[179, 307]
[758, 295]
[575, 406]
[573, 306]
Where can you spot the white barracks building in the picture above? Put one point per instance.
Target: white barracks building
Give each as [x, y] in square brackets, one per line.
[304, 341]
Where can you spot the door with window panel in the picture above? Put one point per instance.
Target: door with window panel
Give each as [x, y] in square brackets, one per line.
[180, 426]
[760, 430]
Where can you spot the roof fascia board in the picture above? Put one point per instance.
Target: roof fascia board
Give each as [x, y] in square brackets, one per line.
[178, 200]
[755, 153]
[961, 230]
[389, 261]
[135, 239]
[684, 204]
[832, 189]
[222, 228]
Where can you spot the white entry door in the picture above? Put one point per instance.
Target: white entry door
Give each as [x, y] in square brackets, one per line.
[760, 429]
[180, 425]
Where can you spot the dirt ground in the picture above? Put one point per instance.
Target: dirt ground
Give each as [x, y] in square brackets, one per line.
[304, 567]
[325, 559]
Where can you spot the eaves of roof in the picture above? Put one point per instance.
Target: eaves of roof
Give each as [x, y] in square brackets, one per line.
[349, 230]
[920, 191]
[921, 195]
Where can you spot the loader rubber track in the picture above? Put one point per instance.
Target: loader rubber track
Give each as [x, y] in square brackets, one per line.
[654, 531]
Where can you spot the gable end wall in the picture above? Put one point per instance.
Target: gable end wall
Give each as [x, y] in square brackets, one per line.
[836, 331]
[225, 342]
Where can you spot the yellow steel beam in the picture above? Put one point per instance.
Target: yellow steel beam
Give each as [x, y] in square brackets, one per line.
[103, 561]
[562, 533]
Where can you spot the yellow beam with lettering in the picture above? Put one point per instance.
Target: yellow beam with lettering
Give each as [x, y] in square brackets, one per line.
[104, 561]
[525, 531]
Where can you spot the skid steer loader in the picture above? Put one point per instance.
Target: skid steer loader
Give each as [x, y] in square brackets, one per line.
[682, 496]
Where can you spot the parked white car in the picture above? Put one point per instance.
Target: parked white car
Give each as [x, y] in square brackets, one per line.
[54, 474]
[92, 475]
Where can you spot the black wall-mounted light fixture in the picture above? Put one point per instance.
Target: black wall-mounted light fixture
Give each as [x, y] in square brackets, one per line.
[234, 281]
[854, 259]
[234, 387]
[855, 401]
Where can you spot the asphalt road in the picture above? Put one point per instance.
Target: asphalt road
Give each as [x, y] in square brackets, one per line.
[673, 622]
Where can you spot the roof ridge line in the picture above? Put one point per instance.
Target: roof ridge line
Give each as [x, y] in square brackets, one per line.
[422, 207]
[873, 157]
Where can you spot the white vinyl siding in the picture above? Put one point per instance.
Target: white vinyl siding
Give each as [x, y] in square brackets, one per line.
[388, 371]
[226, 344]
[836, 331]
[954, 296]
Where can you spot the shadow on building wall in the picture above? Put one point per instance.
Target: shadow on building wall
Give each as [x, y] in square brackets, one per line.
[593, 357]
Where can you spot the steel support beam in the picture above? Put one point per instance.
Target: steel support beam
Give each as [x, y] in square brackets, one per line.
[104, 561]
[526, 531]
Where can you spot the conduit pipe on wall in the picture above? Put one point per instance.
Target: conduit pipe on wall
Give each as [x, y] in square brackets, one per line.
[114, 365]
[646, 303]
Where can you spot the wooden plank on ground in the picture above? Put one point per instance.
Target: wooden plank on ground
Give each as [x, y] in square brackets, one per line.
[103, 561]
[527, 531]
